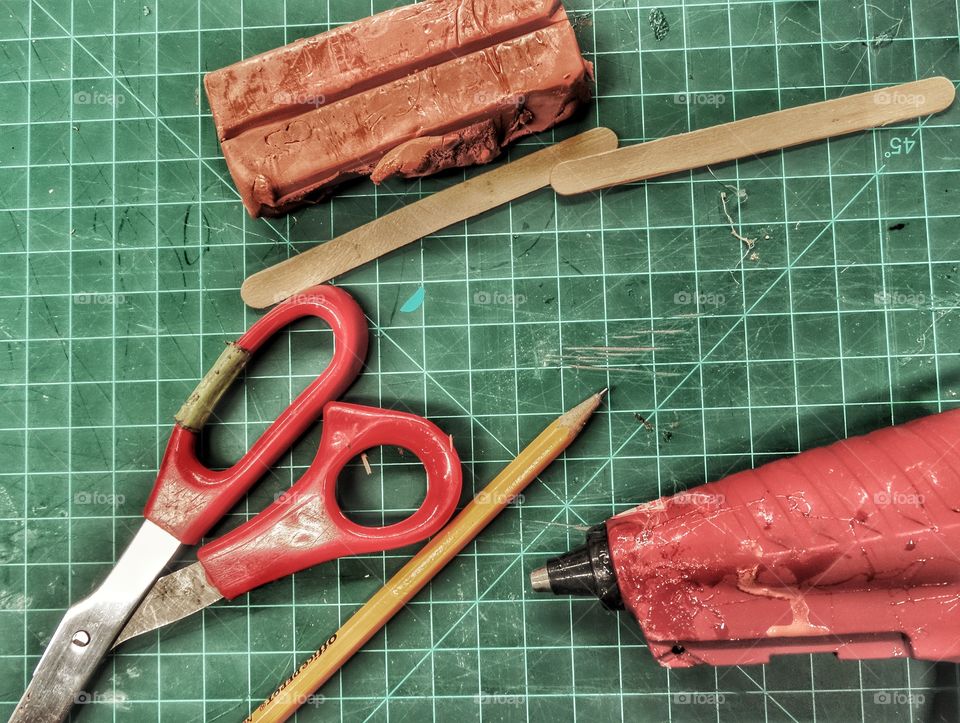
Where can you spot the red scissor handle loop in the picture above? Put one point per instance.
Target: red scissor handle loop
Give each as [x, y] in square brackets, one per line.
[305, 526]
[188, 498]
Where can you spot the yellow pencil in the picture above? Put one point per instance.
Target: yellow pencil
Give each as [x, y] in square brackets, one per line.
[413, 576]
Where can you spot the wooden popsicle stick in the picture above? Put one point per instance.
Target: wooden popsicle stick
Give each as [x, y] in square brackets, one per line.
[753, 136]
[421, 218]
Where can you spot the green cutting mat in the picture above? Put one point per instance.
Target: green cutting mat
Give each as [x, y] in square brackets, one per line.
[124, 244]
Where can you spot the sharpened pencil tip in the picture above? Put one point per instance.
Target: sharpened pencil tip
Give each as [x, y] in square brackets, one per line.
[577, 417]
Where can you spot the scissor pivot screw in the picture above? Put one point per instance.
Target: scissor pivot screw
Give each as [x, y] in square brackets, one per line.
[81, 638]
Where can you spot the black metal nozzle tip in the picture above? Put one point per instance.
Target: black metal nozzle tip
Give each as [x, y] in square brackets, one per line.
[586, 571]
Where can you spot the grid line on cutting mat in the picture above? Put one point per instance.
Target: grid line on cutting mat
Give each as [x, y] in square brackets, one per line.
[796, 354]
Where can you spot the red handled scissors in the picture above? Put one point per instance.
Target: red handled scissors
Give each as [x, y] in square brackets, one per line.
[300, 529]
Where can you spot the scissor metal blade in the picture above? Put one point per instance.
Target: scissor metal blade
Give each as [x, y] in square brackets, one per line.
[172, 598]
[90, 626]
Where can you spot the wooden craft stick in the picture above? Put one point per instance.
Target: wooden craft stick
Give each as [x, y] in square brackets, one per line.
[421, 218]
[753, 136]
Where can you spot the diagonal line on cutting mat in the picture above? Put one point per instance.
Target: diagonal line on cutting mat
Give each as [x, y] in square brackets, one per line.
[790, 265]
[155, 116]
[658, 406]
[590, 480]
[373, 324]
[633, 631]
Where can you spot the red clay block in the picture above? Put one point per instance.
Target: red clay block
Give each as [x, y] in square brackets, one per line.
[408, 92]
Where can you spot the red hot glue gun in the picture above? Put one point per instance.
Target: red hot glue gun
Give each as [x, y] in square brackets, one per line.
[852, 548]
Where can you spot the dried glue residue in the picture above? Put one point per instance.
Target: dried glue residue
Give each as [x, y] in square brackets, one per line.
[658, 23]
[801, 625]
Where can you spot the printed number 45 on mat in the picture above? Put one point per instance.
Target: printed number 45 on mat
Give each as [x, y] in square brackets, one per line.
[900, 146]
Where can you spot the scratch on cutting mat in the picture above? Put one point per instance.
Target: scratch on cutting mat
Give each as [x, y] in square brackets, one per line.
[625, 357]
[623, 369]
[614, 350]
[881, 39]
[14, 601]
[647, 332]
[922, 337]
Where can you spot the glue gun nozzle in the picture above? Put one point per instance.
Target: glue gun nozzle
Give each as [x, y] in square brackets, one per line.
[587, 570]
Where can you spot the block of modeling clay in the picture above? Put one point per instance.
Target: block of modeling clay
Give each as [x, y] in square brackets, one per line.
[408, 92]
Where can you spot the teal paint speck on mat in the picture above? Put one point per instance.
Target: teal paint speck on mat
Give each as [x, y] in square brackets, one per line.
[415, 301]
